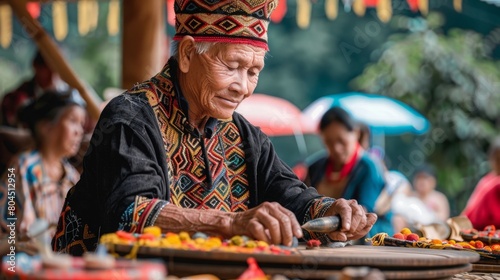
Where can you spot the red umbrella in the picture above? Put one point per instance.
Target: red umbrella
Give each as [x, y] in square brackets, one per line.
[275, 116]
[279, 119]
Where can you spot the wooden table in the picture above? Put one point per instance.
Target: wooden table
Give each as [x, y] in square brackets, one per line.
[394, 262]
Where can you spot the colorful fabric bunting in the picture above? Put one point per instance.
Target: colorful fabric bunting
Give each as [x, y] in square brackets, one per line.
[359, 7]
[5, 26]
[347, 5]
[60, 19]
[303, 13]
[384, 10]
[113, 21]
[33, 8]
[413, 4]
[331, 9]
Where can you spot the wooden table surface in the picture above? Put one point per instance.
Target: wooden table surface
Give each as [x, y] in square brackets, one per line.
[394, 262]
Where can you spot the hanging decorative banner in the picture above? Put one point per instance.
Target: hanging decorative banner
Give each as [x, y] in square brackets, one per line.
[423, 6]
[413, 4]
[279, 13]
[113, 21]
[303, 13]
[347, 5]
[93, 14]
[171, 12]
[457, 4]
[359, 7]
[33, 8]
[331, 9]
[60, 19]
[5, 26]
[83, 17]
[384, 10]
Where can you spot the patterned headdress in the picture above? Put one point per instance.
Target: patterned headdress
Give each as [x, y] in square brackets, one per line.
[230, 21]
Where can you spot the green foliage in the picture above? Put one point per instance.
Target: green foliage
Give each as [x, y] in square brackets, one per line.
[451, 80]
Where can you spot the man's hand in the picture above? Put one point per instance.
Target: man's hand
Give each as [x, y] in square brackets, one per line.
[269, 222]
[356, 223]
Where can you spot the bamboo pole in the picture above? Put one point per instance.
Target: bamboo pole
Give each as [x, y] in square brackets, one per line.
[53, 56]
[143, 40]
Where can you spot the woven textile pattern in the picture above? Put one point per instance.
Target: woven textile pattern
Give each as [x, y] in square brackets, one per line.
[242, 21]
[189, 185]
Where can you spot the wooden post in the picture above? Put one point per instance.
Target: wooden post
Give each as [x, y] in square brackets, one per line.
[53, 56]
[143, 44]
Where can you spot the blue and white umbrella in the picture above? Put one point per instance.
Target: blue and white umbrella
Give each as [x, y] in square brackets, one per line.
[384, 115]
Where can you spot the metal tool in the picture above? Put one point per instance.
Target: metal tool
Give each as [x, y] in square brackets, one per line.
[324, 224]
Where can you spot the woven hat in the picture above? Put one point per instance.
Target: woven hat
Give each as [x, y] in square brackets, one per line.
[229, 21]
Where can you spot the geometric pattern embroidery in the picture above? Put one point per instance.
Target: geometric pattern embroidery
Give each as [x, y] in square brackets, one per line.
[224, 20]
[189, 185]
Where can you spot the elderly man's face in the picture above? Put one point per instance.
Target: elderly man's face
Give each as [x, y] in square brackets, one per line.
[222, 77]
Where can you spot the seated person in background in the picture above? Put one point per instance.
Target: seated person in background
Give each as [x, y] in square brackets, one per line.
[483, 207]
[14, 137]
[44, 79]
[425, 182]
[172, 152]
[347, 171]
[397, 188]
[42, 175]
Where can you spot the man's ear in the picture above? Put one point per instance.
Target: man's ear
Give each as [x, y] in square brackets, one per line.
[186, 52]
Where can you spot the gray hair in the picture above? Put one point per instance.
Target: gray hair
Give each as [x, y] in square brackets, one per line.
[201, 48]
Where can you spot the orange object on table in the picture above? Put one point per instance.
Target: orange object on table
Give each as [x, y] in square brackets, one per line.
[253, 272]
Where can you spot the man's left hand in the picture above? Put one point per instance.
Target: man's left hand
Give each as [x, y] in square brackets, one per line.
[356, 222]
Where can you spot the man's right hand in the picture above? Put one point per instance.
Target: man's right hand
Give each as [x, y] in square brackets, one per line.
[268, 222]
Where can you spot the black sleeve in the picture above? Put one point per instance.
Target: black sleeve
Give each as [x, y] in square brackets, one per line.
[273, 180]
[280, 184]
[123, 161]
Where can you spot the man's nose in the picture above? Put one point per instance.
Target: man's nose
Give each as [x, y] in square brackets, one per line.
[241, 84]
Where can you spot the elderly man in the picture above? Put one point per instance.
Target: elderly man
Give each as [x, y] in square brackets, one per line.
[172, 152]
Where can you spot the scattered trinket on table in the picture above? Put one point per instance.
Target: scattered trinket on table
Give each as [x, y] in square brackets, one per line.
[152, 237]
[313, 244]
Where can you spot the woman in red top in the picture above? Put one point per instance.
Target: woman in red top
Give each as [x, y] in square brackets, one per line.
[483, 207]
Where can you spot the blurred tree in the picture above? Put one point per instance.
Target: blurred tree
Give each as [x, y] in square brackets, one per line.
[453, 82]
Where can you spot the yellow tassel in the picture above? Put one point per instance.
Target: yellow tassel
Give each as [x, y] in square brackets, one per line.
[94, 14]
[83, 17]
[331, 8]
[359, 7]
[384, 10]
[423, 6]
[457, 4]
[114, 17]
[5, 26]
[60, 19]
[303, 13]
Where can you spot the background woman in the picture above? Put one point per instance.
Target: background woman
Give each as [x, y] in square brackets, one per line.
[483, 207]
[347, 171]
[43, 176]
